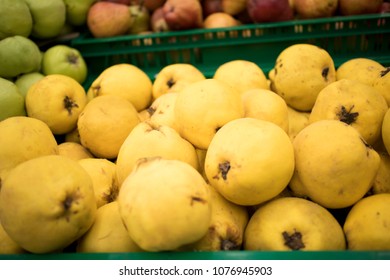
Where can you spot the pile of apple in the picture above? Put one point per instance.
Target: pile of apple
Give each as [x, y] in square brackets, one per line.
[34, 37]
[109, 18]
[294, 160]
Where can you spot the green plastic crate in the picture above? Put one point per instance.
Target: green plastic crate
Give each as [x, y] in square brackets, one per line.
[343, 37]
[228, 255]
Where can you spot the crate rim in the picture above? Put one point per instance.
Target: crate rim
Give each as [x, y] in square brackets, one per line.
[216, 255]
[84, 38]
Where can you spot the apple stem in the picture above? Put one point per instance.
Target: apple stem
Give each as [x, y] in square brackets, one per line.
[384, 72]
[151, 110]
[325, 73]
[73, 58]
[69, 104]
[293, 241]
[224, 169]
[228, 245]
[170, 83]
[67, 203]
[112, 193]
[347, 116]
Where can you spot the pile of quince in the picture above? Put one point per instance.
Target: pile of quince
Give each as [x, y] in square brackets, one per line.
[296, 159]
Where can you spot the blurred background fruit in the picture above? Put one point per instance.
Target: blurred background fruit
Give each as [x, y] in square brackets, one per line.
[48, 17]
[65, 60]
[19, 55]
[15, 18]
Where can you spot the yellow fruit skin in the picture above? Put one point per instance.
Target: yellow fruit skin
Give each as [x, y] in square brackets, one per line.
[58, 101]
[26, 138]
[73, 150]
[203, 107]
[125, 80]
[266, 105]
[103, 175]
[7, 245]
[201, 159]
[104, 124]
[269, 227]
[366, 226]
[242, 75]
[301, 71]
[297, 120]
[354, 103]
[386, 131]
[382, 84]
[73, 136]
[382, 180]
[47, 203]
[249, 161]
[334, 166]
[144, 115]
[151, 141]
[162, 110]
[360, 69]
[228, 222]
[107, 234]
[174, 77]
[164, 204]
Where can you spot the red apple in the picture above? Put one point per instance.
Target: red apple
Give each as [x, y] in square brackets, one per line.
[244, 17]
[108, 19]
[359, 7]
[385, 8]
[183, 14]
[269, 10]
[211, 6]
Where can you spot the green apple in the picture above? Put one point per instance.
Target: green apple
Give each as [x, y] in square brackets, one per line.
[140, 19]
[18, 55]
[77, 11]
[11, 101]
[15, 18]
[65, 60]
[25, 81]
[49, 17]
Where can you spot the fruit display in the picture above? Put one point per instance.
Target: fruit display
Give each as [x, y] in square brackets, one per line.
[169, 151]
[230, 168]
